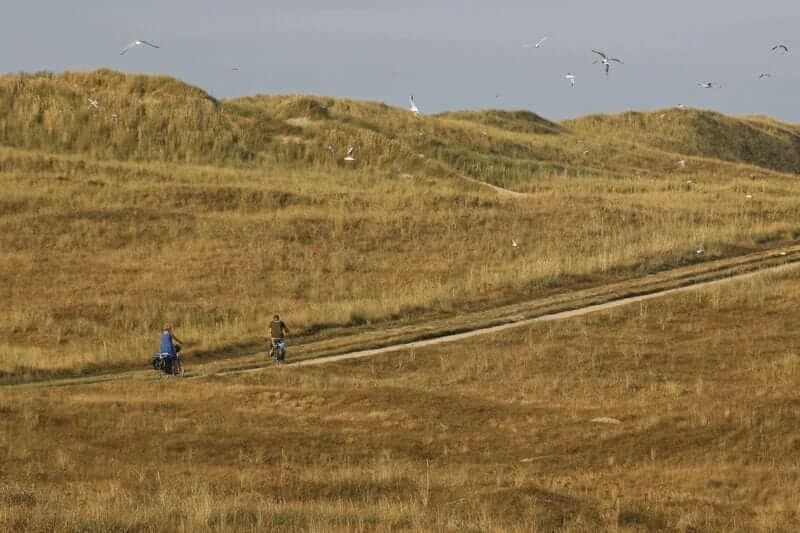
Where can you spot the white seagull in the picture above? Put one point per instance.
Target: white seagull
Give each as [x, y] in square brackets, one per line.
[514, 243]
[605, 60]
[413, 108]
[93, 103]
[571, 77]
[137, 42]
[537, 44]
[349, 156]
[764, 75]
[781, 47]
[708, 85]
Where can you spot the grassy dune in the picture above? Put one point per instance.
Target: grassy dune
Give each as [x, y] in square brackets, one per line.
[97, 255]
[168, 205]
[491, 435]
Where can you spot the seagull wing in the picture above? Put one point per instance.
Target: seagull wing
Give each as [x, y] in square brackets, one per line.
[615, 59]
[539, 43]
[131, 45]
[601, 54]
[149, 44]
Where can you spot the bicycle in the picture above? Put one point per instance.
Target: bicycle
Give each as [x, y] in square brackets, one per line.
[167, 364]
[278, 351]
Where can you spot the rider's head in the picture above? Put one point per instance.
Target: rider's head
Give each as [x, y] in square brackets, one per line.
[166, 327]
[276, 317]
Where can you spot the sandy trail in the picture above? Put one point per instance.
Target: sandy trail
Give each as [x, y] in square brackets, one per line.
[499, 190]
[523, 322]
[389, 338]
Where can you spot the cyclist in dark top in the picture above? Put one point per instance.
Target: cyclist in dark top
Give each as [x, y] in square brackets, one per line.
[277, 331]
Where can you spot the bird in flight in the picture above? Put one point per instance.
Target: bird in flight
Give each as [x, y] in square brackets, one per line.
[413, 108]
[605, 60]
[138, 42]
[781, 47]
[349, 156]
[764, 75]
[708, 85]
[537, 44]
[93, 103]
[571, 77]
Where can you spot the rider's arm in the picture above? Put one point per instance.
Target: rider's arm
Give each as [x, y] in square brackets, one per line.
[176, 339]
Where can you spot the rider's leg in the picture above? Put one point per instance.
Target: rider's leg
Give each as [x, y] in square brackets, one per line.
[281, 350]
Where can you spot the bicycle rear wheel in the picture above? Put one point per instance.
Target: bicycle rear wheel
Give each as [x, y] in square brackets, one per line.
[177, 367]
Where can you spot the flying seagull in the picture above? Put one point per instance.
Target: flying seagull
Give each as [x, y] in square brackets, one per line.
[764, 75]
[604, 60]
[349, 156]
[93, 103]
[571, 77]
[414, 109]
[708, 84]
[537, 44]
[514, 243]
[137, 42]
[781, 47]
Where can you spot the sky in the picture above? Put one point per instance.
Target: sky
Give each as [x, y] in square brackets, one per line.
[450, 55]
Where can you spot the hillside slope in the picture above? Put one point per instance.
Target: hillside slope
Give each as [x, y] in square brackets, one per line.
[756, 141]
[157, 118]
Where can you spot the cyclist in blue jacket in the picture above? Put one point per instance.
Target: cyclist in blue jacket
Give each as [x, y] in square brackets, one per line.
[170, 344]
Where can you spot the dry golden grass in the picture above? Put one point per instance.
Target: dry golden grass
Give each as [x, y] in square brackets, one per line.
[490, 435]
[96, 256]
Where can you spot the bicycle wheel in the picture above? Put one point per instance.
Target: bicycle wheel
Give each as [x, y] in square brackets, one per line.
[177, 367]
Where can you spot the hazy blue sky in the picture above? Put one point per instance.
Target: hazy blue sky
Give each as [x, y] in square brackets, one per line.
[449, 54]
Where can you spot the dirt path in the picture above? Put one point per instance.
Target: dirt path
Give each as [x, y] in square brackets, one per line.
[524, 322]
[385, 338]
[499, 190]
